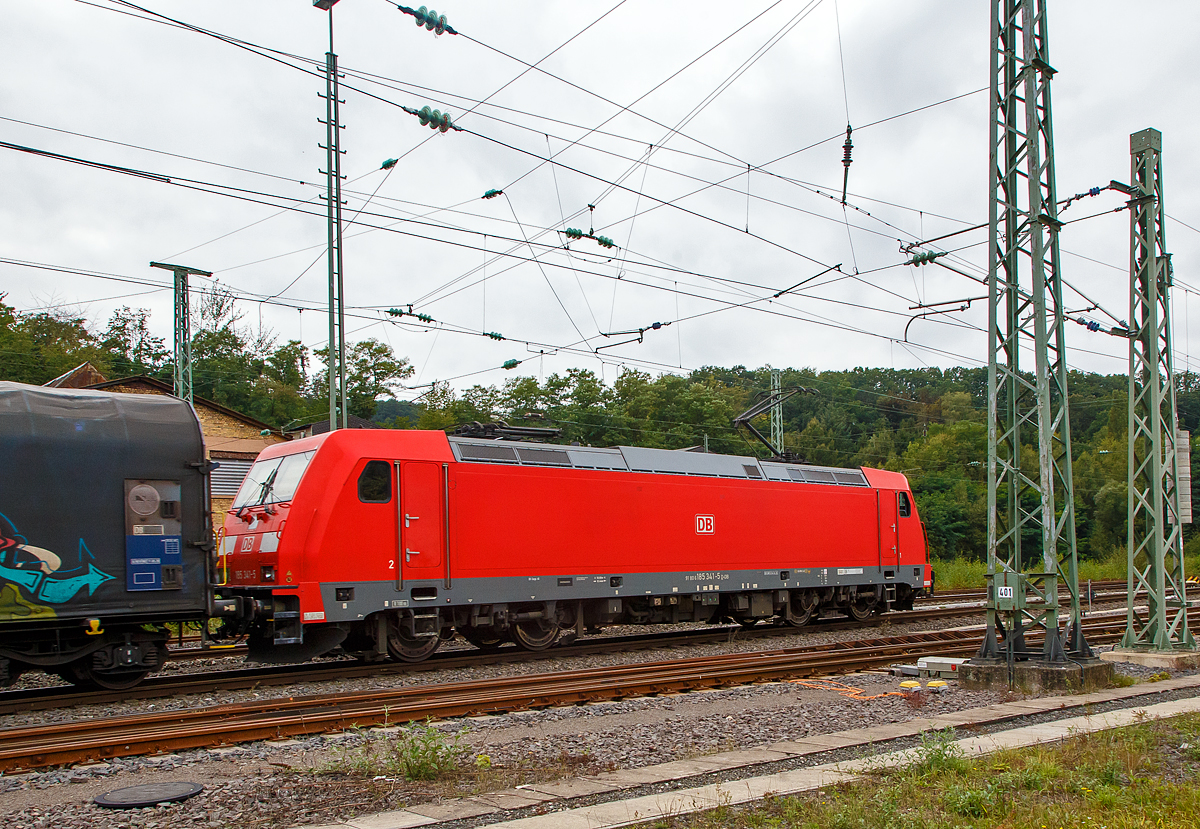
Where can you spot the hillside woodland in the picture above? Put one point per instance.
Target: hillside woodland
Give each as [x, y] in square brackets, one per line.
[928, 423]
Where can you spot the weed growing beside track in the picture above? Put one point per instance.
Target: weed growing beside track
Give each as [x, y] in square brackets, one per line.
[1142, 776]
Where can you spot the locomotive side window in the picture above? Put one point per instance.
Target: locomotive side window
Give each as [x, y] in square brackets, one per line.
[272, 481]
[905, 505]
[375, 483]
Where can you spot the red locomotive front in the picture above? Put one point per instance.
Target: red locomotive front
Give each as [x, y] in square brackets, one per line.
[385, 542]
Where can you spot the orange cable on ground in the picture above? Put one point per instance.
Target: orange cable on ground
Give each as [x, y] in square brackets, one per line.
[848, 691]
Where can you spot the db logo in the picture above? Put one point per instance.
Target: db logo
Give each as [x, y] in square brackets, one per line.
[704, 525]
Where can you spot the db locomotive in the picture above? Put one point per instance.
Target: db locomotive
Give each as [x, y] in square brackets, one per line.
[384, 543]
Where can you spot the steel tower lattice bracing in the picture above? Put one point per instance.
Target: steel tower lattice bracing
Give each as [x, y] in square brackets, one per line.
[183, 327]
[183, 337]
[336, 362]
[1031, 518]
[1155, 537]
[777, 409]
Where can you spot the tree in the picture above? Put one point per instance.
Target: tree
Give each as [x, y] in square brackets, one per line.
[38, 346]
[372, 371]
[131, 347]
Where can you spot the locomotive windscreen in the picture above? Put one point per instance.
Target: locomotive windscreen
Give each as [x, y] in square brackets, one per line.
[272, 481]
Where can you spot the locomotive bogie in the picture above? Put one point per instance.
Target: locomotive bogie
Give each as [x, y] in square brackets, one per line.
[384, 543]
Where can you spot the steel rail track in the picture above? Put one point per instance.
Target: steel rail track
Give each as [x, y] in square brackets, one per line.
[60, 743]
[64, 696]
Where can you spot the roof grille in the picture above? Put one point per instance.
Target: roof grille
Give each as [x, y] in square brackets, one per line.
[751, 470]
[819, 476]
[476, 452]
[545, 457]
[850, 478]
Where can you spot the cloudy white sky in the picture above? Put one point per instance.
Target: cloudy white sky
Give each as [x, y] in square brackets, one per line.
[763, 84]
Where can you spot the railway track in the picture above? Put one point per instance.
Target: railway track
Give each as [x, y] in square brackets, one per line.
[64, 696]
[60, 743]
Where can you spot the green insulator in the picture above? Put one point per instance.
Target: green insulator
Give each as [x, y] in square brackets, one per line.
[420, 15]
[435, 119]
[426, 115]
[395, 312]
[440, 28]
[446, 123]
[574, 233]
[493, 335]
[605, 242]
[431, 19]
[424, 317]
[389, 164]
[491, 194]
[510, 364]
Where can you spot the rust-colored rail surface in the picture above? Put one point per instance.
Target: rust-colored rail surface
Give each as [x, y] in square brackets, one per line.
[78, 741]
[65, 696]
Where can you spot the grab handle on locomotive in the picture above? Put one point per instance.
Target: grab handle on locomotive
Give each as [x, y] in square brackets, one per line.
[408, 518]
[408, 553]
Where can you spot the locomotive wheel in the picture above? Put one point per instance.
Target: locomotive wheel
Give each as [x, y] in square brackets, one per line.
[804, 616]
[859, 609]
[485, 641]
[404, 648]
[532, 636]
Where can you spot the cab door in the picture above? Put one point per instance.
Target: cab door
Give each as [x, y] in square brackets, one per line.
[889, 529]
[422, 520]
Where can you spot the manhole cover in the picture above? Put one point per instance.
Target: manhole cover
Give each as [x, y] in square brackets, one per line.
[135, 797]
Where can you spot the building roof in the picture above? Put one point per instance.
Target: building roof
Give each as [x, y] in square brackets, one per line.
[83, 376]
[156, 386]
[320, 427]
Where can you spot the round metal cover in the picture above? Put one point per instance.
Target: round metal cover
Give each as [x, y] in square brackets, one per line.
[143, 500]
[136, 797]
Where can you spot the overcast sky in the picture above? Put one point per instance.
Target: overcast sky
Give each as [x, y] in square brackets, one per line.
[765, 84]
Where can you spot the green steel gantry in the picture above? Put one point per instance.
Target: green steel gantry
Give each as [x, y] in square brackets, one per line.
[1155, 539]
[1031, 518]
[183, 327]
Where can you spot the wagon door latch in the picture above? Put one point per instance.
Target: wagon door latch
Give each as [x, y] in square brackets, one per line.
[409, 553]
[408, 518]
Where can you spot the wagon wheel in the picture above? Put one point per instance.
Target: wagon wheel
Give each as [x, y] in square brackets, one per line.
[532, 636]
[84, 676]
[859, 608]
[483, 638]
[406, 648]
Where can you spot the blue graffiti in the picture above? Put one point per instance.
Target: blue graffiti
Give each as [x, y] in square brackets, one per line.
[23, 567]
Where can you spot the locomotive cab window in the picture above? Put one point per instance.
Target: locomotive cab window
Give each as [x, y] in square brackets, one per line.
[905, 505]
[272, 481]
[375, 483]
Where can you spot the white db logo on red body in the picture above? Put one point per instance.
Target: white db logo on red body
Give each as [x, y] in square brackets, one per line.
[704, 525]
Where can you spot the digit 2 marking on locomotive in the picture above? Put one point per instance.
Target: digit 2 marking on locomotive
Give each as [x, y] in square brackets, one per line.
[705, 525]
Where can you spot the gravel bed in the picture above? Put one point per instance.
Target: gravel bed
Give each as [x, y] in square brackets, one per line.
[302, 781]
[737, 642]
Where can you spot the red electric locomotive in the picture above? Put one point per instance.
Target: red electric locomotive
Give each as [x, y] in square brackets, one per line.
[385, 542]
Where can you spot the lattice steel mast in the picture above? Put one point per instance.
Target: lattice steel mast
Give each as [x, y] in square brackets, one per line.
[1031, 518]
[1155, 539]
[336, 363]
[183, 327]
[777, 409]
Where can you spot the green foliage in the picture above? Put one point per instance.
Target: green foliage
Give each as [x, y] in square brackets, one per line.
[929, 424]
[417, 753]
